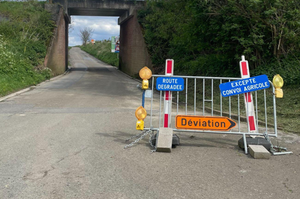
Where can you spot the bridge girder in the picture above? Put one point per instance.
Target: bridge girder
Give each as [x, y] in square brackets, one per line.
[100, 7]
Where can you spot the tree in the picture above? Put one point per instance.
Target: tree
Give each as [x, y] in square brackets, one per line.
[208, 37]
[86, 34]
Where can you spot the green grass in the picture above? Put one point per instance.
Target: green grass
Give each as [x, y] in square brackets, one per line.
[288, 109]
[102, 51]
[9, 84]
[25, 31]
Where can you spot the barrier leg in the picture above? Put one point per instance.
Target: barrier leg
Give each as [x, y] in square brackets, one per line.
[245, 144]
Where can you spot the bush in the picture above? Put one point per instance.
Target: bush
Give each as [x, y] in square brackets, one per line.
[25, 32]
[289, 70]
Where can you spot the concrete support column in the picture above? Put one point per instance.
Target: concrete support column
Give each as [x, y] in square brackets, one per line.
[57, 55]
[133, 50]
[66, 42]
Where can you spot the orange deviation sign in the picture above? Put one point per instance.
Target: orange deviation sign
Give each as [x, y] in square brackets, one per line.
[191, 122]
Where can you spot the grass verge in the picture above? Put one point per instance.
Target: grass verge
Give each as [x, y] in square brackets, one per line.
[26, 29]
[102, 51]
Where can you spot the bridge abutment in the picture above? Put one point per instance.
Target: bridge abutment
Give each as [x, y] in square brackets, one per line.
[133, 50]
[57, 53]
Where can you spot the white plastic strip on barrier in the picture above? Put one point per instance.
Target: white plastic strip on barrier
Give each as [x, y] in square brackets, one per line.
[244, 68]
[168, 95]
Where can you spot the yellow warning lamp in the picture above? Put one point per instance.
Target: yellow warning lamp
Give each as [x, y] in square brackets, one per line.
[278, 83]
[140, 114]
[145, 74]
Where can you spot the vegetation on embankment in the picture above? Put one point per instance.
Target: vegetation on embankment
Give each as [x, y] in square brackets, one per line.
[102, 51]
[25, 32]
[207, 38]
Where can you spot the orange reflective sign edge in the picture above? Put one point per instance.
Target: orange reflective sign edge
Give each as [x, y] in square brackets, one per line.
[190, 122]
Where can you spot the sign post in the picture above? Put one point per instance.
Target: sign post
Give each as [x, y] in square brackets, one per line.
[168, 95]
[165, 135]
[115, 44]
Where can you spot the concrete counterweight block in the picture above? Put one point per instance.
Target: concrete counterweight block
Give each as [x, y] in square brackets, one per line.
[259, 152]
[164, 140]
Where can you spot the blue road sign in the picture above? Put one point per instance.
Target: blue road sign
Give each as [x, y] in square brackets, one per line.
[244, 85]
[169, 84]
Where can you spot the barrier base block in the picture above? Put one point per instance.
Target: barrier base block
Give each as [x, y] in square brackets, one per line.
[255, 141]
[164, 140]
[175, 140]
[259, 152]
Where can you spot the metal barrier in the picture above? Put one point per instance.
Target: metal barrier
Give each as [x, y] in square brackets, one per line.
[202, 97]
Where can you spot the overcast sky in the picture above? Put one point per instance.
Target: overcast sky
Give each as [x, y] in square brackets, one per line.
[104, 28]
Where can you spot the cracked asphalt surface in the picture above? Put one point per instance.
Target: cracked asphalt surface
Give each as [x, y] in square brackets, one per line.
[66, 138]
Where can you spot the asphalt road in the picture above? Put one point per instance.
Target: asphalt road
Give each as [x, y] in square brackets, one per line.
[66, 138]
